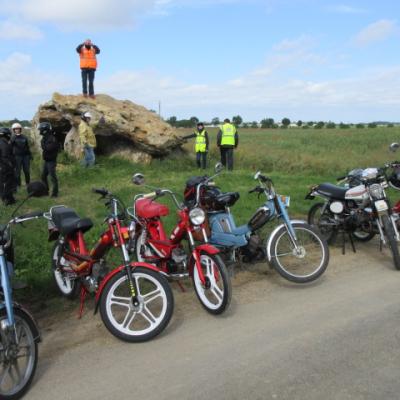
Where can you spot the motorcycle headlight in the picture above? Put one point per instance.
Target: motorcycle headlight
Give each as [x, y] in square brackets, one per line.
[197, 216]
[376, 191]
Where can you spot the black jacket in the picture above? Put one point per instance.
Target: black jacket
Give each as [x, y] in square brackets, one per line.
[50, 147]
[20, 145]
[7, 160]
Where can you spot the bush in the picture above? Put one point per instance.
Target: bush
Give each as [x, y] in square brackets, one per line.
[360, 126]
[319, 125]
[372, 125]
[331, 125]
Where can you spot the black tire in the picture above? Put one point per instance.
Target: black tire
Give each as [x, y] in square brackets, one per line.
[298, 271]
[391, 238]
[26, 325]
[328, 232]
[119, 283]
[224, 281]
[362, 236]
[68, 288]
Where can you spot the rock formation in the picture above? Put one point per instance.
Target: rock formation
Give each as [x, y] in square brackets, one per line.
[121, 127]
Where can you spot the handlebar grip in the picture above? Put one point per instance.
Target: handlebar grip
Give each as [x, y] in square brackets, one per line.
[149, 195]
[102, 191]
[33, 214]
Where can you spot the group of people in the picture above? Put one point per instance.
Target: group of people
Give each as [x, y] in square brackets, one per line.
[227, 141]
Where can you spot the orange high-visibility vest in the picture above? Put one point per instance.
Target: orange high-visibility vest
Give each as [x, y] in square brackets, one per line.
[88, 58]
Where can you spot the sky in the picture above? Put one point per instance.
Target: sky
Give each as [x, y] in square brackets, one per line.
[301, 59]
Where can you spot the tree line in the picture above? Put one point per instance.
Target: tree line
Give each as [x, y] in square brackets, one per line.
[266, 123]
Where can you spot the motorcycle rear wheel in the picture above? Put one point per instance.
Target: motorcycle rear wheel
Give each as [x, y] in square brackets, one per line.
[305, 264]
[215, 295]
[141, 323]
[391, 238]
[15, 384]
[321, 222]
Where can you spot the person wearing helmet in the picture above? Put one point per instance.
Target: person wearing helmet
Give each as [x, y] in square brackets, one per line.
[88, 140]
[50, 148]
[201, 145]
[7, 167]
[22, 153]
[87, 53]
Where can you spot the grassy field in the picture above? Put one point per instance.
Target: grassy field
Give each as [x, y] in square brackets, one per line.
[294, 158]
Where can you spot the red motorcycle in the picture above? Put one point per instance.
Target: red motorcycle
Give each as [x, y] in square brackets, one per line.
[135, 300]
[202, 262]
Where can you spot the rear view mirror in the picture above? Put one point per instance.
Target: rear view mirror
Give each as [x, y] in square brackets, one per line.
[394, 146]
[218, 167]
[138, 179]
[37, 189]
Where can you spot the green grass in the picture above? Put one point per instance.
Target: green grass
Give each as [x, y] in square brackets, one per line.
[294, 158]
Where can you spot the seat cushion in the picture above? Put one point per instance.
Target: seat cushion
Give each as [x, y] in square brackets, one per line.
[330, 190]
[68, 221]
[147, 208]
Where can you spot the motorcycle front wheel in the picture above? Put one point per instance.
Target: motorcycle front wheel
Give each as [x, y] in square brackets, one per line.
[142, 322]
[305, 263]
[215, 295]
[391, 238]
[18, 361]
[67, 285]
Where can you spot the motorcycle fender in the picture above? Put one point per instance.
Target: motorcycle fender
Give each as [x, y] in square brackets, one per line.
[116, 271]
[310, 196]
[275, 232]
[206, 248]
[36, 333]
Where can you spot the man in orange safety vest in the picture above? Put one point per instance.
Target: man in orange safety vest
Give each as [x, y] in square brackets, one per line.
[87, 53]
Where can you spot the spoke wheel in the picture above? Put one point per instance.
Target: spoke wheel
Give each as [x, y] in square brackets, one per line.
[137, 323]
[67, 284]
[324, 222]
[215, 294]
[17, 361]
[307, 262]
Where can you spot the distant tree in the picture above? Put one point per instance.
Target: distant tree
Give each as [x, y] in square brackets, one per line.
[305, 126]
[254, 124]
[372, 125]
[390, 125]
[237, 120]
[331, 125]
[319, 125]
[215, 121]
[245, 125]
[342, 125]
[360, 126]
[285, 122]
[194, 121]
[299, 123]
[172, 121]
[267, 123]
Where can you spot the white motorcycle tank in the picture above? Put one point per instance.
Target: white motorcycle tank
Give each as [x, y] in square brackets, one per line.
[359, 194]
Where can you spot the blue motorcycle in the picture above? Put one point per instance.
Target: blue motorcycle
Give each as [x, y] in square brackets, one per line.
[19, 335]
[294, 249]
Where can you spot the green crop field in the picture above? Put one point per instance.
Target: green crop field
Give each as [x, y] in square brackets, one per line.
[294, 158]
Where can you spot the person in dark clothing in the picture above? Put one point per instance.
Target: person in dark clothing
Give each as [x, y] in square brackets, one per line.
[7, 167]
[88, 63]
[22, 153]
[201, 145]
[50, 149]
[227, 141]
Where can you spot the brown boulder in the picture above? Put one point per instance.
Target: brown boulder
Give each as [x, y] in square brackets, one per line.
[122, 128]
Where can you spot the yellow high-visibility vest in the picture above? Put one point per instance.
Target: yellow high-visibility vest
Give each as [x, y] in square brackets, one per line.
[228, 134]
[201, 144]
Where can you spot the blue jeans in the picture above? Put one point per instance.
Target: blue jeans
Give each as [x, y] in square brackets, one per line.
[89, 158]
[88, 75]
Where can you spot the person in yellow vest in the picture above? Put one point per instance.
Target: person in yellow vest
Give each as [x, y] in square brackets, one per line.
[88, 62]
[227, 140]
[201, 145]
[88, 140]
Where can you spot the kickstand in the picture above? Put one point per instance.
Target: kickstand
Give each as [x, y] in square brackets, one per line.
[352, 243]
[82, 301]
[381, 245]
[181, 286]
[344, 242]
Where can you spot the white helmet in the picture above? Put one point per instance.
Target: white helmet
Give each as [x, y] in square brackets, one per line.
[16, 125]
[87, 115]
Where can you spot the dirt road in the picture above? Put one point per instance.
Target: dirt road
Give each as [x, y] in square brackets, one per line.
[338, 338]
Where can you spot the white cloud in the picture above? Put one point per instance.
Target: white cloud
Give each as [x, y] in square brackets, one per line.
[17, 30]
[346, 9]
[376, 32]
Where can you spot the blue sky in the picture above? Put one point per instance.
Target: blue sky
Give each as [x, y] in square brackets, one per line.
[302, 59]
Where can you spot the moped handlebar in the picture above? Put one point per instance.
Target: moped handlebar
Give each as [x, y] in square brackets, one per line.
[102, 191]
[31, 215]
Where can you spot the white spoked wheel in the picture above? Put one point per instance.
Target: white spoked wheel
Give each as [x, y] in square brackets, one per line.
[144, 321]
[215, 294]
[65, 282]
[17, 360]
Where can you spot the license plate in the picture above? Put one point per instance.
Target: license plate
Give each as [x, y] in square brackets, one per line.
[285, 200]
[381, 205]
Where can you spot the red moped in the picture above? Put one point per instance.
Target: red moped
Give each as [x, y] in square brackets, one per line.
[135, 300]
[200, 261]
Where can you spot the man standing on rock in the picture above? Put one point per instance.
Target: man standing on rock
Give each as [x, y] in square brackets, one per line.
[87, 52]
[88, 140]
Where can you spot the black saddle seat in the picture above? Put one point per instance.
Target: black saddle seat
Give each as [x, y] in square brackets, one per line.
[68, 221]
[336, 192]
[227, 199]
